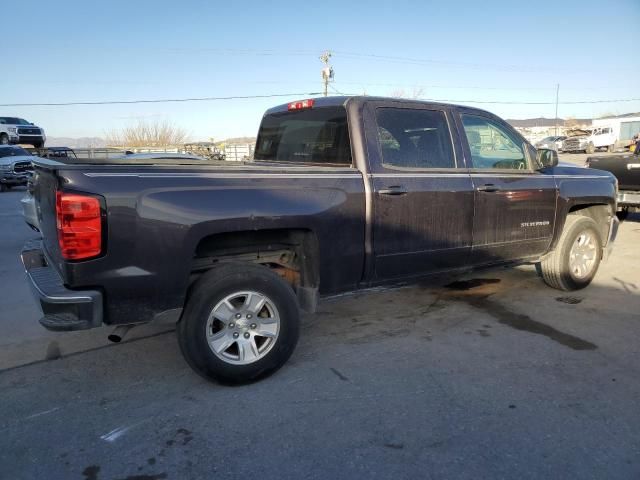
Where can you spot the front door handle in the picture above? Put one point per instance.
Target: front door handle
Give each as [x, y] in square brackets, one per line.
[393, 190]
[489, 187]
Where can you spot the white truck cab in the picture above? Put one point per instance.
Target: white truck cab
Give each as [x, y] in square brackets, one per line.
[18, 130]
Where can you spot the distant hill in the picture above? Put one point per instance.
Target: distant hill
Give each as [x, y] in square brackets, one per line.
[82, 142]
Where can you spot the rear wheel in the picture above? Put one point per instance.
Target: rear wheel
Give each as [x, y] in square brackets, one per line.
[241, 324]
[574, 262]
[4, 187]
[611, 148]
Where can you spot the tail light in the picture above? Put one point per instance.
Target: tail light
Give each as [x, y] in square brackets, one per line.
[301, 105]
[79, 225]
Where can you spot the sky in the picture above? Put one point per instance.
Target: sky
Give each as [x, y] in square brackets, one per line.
[484, 51]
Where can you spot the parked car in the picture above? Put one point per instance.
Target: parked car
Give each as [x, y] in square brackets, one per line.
[589, 140]
[27, 133]
[57, 153]
[344, 193]
[626, 168]
[15, 166]
[552, 143]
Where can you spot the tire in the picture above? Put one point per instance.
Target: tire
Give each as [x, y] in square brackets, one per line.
[590, 148]
[38, 144]
[4, 187]
[622, 214]
[611, 148]
[4, 139]
[556, 269]
[198, 326]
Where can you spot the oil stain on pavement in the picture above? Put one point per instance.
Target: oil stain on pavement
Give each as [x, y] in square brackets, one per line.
[471, 292]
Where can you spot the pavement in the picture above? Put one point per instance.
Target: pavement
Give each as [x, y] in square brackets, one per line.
[489, 375]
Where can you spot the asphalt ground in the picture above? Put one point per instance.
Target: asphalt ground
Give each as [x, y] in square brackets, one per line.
[490, 375]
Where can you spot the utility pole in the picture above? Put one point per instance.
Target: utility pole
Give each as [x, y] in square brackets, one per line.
[327, 71]
[557, 95]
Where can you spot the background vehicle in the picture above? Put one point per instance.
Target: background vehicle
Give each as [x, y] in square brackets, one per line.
[624, 127]
[233, 251]
[552, 143]
[56, 153]
[589, 140]
[626, 168]
[15, 166]
[8, 135]
[28, 133]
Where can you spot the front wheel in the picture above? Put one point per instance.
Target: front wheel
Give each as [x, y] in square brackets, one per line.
[241, 323]
[575, 260]
[590, 148]
[4, 139]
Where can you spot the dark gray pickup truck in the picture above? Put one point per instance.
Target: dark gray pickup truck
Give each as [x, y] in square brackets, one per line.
[344, 193]
[626, 168]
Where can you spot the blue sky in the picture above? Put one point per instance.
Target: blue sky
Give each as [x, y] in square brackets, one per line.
[66, 51]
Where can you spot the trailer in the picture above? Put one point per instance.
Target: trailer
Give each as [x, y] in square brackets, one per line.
[624, 128]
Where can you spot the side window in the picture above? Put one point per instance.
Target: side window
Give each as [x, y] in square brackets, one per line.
[492, 145]
[414, 138]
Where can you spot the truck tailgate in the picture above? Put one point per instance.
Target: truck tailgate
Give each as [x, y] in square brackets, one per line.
[626, 169]
[45, 184]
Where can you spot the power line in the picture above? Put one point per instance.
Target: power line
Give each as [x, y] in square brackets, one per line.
[302, 94]
[163, 100]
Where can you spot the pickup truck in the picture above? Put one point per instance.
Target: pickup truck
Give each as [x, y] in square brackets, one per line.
[626, 168]
[344, 193]
[15, 167]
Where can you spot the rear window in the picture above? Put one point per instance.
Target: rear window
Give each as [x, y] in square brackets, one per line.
[318, 136]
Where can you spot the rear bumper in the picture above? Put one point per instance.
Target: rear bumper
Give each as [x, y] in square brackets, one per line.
[63, 309]
[628, 199]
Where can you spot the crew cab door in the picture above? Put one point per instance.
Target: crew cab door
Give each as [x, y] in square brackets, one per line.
[422, 199]
[515, 205]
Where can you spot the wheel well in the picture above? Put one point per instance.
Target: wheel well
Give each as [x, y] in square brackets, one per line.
[291, 253]
[600, 213]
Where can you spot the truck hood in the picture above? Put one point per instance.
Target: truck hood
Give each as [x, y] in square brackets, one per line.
[17, 158]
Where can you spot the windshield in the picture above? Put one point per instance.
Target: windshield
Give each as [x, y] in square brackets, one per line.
[13, 121]
[13, 152]
[318, 136]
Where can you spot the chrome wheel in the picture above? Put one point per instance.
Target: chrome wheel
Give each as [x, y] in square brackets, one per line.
[243, 327]
[583, 255]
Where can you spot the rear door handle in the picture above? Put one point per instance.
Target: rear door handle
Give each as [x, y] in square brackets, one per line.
[489, 188]
[393, 190]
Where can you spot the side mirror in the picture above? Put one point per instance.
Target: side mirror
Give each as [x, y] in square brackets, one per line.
[546, 157]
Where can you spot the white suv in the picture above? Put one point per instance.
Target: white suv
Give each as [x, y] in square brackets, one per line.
[18, 130]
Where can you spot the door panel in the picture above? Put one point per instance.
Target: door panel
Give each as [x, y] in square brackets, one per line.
[422, 202]
[516, 219]
[427, 229]
[514, 205]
